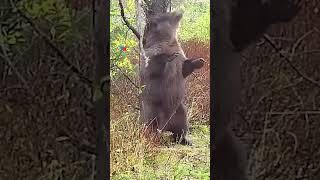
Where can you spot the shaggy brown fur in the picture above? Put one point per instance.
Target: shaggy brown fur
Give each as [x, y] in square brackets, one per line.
[164, 77]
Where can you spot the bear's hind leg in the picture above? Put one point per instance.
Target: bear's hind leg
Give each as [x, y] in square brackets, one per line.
[179, 126]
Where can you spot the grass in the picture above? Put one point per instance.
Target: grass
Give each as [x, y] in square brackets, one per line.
[133, 156]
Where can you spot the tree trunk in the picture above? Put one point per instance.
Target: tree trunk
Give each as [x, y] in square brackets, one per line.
[158, 6]
[144, 10]
[102, 95]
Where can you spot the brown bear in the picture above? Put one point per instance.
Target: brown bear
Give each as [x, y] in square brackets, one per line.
[164, 77]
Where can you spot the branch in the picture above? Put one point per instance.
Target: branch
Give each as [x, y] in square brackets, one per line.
[135, 32]
[125, 75]
[6, 58]
[278, 50]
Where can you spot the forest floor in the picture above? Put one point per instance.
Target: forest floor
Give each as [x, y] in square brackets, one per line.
[133, 157]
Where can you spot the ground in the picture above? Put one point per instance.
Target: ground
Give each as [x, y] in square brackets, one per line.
[168, 161]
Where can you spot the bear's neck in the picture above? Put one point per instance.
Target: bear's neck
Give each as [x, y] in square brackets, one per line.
[154, 41]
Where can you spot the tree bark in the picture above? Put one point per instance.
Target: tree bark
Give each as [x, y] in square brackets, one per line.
[144, 10]
[101, 88]
[157, 6]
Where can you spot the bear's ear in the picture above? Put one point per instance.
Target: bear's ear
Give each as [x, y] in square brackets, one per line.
[190, 65]
[176, 16]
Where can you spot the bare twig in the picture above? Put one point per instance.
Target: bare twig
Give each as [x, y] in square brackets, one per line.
[135, 32]
[270, 92]
[298, 42]
[312, 81]
[308, 112]
[126, 76]
[294, 112]
[6, 58]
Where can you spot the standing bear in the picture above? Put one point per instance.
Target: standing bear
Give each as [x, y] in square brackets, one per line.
[163, 77]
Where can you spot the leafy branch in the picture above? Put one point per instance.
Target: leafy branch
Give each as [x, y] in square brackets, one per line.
[55, 48]
[127, 23]
[122, 72]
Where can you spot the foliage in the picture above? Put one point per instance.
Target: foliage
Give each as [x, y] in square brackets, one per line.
[33, 69]
[58, 22]
[195, 23]
[194, 26]
[120, 35]
[63, 26]
[62, 23]
[11, 27]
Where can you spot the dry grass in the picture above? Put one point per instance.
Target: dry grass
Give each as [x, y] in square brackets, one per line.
[43, 126]
[281, 110]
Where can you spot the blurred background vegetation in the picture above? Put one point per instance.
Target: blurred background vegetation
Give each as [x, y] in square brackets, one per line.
[46, 111]
[195, 26]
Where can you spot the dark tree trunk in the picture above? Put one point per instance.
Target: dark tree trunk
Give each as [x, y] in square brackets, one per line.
[102, 95]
